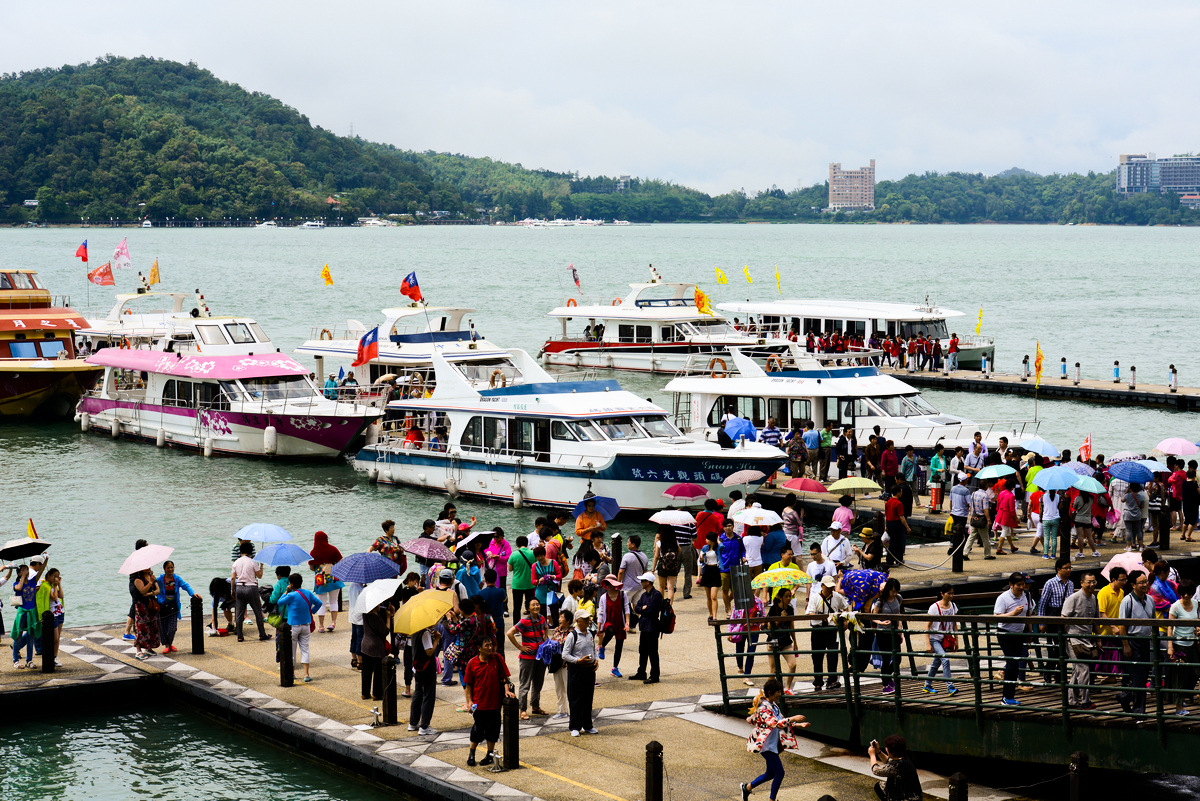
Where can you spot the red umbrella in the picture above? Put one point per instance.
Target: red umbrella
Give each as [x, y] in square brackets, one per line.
[688, 492]
[805, 485]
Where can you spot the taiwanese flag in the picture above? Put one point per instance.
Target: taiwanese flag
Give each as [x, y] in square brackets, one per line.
[368, 347]
[81, 251]
[102, 275]
[409, 287]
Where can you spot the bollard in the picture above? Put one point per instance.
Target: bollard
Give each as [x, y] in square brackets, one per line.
[958, 545]
[984, 365]
[991, 364]
[197, 625]
[1116, 372]
[511, 734]
[1063, 369]
[389, 690]
[1078, 374]
[958, 788]
[1077, 768]
[946, 365]
[287, 671]
[1173, 379]
[47, 641]
[1025, 368]
[1132, 377]
[654, 771]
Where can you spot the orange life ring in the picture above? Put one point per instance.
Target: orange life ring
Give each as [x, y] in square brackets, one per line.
[497, 374]
[326, 333]
[129, 311]
[712, 368]
[778, 364]
[571, 302]
[616, 302]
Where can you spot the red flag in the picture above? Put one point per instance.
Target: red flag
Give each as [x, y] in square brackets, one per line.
[368, 348]
[81, 251]
[1085, 450]
[102, 275]
[409, 287]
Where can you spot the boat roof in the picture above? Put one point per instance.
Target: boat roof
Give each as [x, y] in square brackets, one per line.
[398, 312]
[218, 368]
[811, 381]
[842, 309]
[53, 318]
[678, 304]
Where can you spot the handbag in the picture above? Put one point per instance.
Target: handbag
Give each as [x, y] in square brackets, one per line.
[275, 620]
[949, 643]
[978, 521]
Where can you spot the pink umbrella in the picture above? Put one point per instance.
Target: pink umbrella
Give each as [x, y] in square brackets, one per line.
[146, 557]
[743, 477]
[1129, 561]
[805, 485]
[1177, 446]
[687, 492]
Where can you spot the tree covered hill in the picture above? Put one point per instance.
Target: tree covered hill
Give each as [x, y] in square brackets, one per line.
[133, 137]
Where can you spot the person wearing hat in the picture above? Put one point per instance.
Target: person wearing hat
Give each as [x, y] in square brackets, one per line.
[350, 381]
[612, 619]
[870, 555]
[825, 602]
[331, 387]
[835, 547]
[579, 656]
[648, 609]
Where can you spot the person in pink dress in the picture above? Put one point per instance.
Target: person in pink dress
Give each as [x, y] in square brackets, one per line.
[1006, 519]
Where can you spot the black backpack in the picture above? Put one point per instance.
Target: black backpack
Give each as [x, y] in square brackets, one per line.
[668, 561]
[666, 618]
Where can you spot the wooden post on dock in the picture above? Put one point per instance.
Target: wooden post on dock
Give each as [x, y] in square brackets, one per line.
[511, 735]
[654, 771]
[197, 625]
[389, 690]
[287, 671]
[47, 641]
[1077, 768]
[959, 788]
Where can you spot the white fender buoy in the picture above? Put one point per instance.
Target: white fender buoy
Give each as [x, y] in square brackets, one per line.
[452, 487]
[161, 439]
[421, 477]
[208, 446]
[518, 495]
[372, 435]
[116, 428]
[372, 474]
[85, 422]
[270, 441]
[578, 359]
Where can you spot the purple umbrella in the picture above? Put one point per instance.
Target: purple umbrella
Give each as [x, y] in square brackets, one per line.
[1081, 468]
[427, 548]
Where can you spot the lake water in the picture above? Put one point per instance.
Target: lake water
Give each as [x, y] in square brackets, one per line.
[1090, 294]
[166, 754]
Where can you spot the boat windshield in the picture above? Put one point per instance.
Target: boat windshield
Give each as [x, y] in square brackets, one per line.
[278, 387]
[620, 428]
[585, 431]
[904, 405]
[658, 426]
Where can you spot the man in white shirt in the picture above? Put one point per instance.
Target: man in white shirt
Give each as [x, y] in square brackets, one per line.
[737, 505]
[244, 578]
[819, 567]
[825, 601]
[535, 536]
[835, 547]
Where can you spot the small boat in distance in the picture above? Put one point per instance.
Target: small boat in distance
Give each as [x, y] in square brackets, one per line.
[312, 225]
[267, 224]
[147, 224]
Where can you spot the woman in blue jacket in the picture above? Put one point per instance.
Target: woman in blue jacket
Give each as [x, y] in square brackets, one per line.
[170, 609]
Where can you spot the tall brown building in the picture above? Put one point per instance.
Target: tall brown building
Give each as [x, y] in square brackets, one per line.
[852, 189]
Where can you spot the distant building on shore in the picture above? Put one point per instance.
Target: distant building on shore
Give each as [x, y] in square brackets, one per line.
[852, 190]
[1139, 174]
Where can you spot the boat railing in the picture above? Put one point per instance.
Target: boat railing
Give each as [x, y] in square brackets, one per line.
[976, 341]
[577, 375]
[334, 332]
[954, 431]
[34, 301]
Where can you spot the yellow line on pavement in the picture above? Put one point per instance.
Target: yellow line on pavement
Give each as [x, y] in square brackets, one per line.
[572, 782]
[300, 684]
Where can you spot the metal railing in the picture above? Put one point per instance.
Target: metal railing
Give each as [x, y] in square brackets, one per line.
[1150, 684]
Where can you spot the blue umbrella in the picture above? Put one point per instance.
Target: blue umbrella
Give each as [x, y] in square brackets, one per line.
[263, 532]
[995, 471]
[607, 507]
[283, 553]
[1133, 472]
[1040, 447]
[363, 568]
[1089, 484]
[739, 427]
[1055, 478]
[1080, 468]
[1153, 466]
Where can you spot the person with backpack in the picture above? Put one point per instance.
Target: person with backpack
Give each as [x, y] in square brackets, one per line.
[667, 560]
[299, 605]
[650, 608]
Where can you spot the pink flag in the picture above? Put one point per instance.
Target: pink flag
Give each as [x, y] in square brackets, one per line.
[120, 258]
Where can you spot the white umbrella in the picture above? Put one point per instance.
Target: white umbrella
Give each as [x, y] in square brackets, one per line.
[757, 516]
[376, 593]
[1124, 456]
[23, 548]
[743, 477]
[146, 557]
[673, 517]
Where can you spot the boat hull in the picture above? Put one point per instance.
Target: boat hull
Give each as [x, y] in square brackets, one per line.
[636, 481]
[230, 432]
[44, 388]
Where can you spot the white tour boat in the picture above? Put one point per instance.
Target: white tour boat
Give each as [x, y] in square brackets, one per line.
[656, 328]
[860, 396]
[267, 224]
[219, 385]
[527, 439]
[139, 319]
[312, 224]
[778, 318]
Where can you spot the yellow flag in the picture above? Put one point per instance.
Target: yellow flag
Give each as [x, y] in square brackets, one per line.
[778, 285]
[721, 279]
[31, 530]
[749, 280]
[154, 277]
[702, 303]
[979, 323]
[327, 276]
[1038, 359]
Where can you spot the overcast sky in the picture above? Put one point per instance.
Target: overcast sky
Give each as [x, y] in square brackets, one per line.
[712, 95]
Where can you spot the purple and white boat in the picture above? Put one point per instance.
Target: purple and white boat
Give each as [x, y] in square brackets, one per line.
[218, 385]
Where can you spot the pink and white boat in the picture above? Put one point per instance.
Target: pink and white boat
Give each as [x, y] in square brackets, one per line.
[218, 385]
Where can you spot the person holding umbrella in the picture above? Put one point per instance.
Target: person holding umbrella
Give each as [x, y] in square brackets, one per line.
[324, 557]
[26, 626]
[244, 580]
[589, 520]
[145, 613]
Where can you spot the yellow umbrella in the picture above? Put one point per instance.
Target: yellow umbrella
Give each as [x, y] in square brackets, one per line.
[780, 577]
[422, 611]
[854, 483]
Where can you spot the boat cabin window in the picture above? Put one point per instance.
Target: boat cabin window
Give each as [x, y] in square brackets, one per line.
[239, 333]
[668, 333]
[801, 411]
[859, 407]
[5, 281]
[52, 347]
[560, 430]
[833, 325]
[777, 408]
[585, 431]
[495, 433]
[658, 426]
[22, 281]
[209, 396]
[211, 335]
[931, 328]
[920, 404]
[856, 328]
[23, 350]
[635, 333]
[177, 393]
[520, 436]
[278, 387]
[812, 324]
[620, 428]
[752, 408]
[472, 435]
[259, 334]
